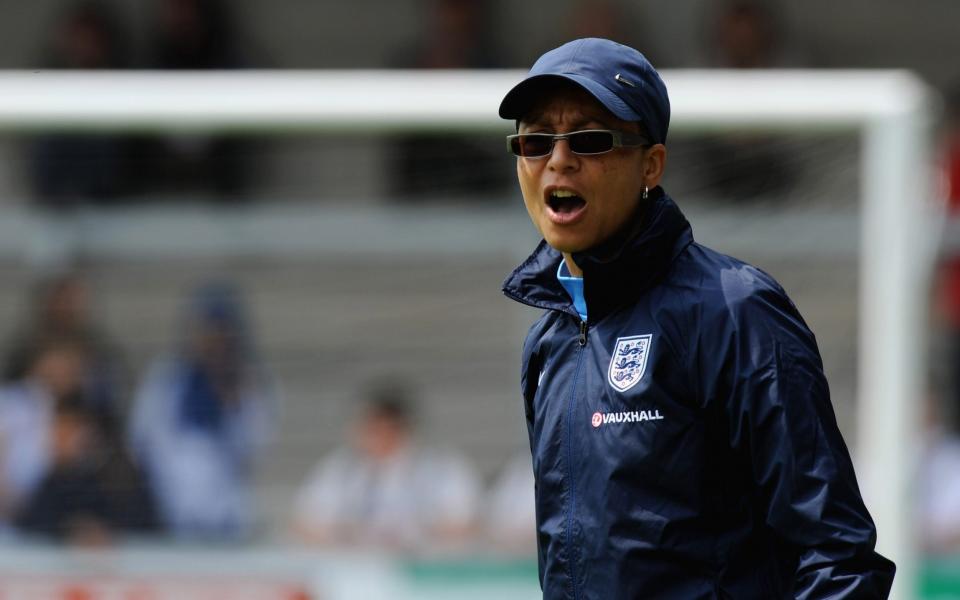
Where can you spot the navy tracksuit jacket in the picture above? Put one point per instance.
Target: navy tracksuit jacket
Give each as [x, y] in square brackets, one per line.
[683, 440]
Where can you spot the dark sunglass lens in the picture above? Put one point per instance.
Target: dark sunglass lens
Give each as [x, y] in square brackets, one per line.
[591, 142]
[533, 145]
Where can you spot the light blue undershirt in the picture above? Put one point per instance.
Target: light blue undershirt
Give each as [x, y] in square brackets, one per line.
[574, 287]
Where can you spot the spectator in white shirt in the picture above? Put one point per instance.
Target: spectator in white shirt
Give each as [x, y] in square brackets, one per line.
[387, 492]
[511, 521]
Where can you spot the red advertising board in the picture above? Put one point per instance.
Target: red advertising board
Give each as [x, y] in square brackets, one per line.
[148, 588]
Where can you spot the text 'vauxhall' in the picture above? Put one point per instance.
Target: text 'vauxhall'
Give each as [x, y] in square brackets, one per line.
[634, 416]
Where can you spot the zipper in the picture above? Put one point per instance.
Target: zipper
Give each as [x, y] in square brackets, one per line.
[581, 342]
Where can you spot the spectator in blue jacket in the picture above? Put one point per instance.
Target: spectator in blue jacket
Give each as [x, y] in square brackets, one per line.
[202, 417]
[684, 444]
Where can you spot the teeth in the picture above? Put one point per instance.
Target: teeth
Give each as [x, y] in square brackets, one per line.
[563, 194]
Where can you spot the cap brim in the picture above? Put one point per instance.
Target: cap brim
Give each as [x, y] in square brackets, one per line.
[525, 94]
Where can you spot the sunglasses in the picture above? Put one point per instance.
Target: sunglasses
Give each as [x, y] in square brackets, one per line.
[586, 142]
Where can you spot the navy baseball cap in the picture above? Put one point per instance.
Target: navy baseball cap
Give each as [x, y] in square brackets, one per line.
[618, 76]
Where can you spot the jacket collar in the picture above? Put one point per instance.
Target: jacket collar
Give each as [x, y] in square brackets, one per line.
[616, 272]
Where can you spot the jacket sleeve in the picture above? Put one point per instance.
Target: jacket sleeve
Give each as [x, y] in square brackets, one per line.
[766, 371]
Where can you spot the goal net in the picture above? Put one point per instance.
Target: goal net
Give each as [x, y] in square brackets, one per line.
[823, 179]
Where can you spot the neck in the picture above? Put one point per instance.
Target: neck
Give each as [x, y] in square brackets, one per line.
[575, 270]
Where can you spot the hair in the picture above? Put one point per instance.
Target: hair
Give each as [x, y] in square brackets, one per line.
[98, 16]
[48, 343]
[391, 398]
[75, 405]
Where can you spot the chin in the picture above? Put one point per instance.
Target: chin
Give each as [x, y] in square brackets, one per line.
[566, 245]
[568, 239]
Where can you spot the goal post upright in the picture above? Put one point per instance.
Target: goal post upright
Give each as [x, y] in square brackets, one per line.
[891, 109]
[898, 249]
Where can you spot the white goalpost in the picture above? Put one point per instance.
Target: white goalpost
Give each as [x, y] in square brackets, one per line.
[892, 110]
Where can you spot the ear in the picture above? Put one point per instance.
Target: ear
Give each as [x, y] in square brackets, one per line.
[654, 162]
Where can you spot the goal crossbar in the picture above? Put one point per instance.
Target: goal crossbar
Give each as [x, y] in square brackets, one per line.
[374, 100]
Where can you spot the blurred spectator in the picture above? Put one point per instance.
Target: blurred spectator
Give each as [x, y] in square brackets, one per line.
[949, 288]
[88, 36]
[197, 35]
[60, 307]
[952, 149]
[746, 34]
[386, 491]
[201, 417]
[26, 416]
[511, 511]
[939, 489]
[69, 169]
[457, 36]
[202, 35]
[91, 491]
[602, 19]
[444, 166]
[937, 484]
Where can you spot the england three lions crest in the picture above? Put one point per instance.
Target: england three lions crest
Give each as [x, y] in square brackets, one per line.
[629, 361]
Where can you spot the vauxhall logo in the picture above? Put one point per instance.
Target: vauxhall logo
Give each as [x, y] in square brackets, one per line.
[633, 416]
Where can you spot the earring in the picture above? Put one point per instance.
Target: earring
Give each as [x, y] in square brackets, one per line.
[646, 192]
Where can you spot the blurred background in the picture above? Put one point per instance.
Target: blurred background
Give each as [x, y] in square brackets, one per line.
[244, 345]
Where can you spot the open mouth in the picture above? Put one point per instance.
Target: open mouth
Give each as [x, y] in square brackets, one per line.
[565, 202]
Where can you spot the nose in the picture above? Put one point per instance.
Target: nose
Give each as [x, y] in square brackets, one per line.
[562, 159]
